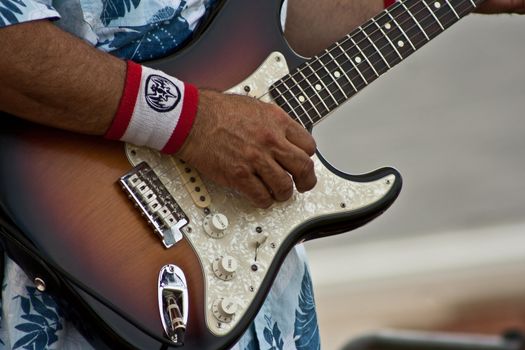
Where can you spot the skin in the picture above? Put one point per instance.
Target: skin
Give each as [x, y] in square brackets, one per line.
[42, 79]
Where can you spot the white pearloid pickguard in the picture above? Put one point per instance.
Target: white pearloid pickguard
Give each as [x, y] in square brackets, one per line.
[331, 195]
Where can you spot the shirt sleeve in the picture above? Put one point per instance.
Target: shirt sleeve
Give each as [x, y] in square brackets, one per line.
[19, 11]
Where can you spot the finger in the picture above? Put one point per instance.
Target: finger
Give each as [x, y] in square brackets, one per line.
[255, 191]
[294, 160]
[300, 137]
[277, 180]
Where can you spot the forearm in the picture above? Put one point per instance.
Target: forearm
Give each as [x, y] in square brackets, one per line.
[52, 78]
[311, 26]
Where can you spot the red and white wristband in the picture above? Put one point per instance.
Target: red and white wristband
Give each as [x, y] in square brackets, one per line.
[155, 110]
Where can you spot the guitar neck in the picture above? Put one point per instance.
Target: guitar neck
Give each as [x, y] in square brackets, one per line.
[320, 85]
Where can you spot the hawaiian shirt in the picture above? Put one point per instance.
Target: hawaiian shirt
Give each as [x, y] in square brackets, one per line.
[141, 30]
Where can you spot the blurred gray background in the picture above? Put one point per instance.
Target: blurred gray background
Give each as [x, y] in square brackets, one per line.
[450, 253]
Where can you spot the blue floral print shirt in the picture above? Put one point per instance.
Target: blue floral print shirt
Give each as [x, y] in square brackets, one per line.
[141, 30]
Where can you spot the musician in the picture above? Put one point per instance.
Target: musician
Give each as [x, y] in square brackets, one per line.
[63, 65]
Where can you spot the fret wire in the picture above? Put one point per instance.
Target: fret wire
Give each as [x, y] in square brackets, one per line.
[400, 28]
[375, 47]
[314, 107]
[363, 54]
[412, 18]
[352, 62]
[382, 15]
[415, 20]
[428, 17]
[387, 38]
[320, 80]
[458, 8]
[289, 105]
[444, 13]
[309, 84]
[473, 3]
[298, 103]
[342, 69]
[452, 8]
[385, 13]
[381, 55]
[315, 91]
[281, 104]
[429, 22]
[328, 75]
[332, 75]
[307, 97]
[433, 14]
[339, 45]
[320, 120]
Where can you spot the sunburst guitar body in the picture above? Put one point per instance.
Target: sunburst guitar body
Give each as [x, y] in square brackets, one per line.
[142, 250]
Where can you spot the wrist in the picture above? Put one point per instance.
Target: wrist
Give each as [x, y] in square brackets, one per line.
[155, 110]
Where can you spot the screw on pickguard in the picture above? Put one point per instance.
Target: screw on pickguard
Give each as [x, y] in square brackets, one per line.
[155, 203]
[193, 183]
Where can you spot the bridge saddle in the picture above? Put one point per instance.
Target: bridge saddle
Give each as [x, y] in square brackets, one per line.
[152, 199]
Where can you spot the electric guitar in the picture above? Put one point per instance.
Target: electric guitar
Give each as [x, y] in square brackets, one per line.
[143, 251]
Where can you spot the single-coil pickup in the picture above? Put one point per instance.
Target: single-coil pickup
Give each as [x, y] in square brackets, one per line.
[155, 203]
[194, 184]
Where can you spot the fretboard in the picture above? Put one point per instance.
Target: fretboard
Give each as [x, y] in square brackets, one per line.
[320, 85]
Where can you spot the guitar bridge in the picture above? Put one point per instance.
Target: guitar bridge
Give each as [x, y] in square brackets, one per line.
[152, 199]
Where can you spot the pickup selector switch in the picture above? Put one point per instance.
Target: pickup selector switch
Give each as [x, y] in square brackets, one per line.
[215, 224]
[260, 238]
[224, 309]
[224, 267]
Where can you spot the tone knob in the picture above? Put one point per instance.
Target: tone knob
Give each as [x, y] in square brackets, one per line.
[215, 224]
[224, 267]
[224, 309]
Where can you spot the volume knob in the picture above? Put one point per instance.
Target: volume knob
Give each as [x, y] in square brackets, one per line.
[215, 224]
[224, 309]
[224, 267]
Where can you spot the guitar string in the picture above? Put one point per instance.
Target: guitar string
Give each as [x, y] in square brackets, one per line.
[334, 102]
[354, 69]
[385, 13]
[347, 82]
[376, 52]
[168, 180]
[184, 182]
[382, 15]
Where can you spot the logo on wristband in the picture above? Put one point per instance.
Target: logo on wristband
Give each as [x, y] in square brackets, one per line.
[161, 93]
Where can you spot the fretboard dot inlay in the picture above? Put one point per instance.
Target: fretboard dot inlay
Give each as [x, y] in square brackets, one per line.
[320, 85]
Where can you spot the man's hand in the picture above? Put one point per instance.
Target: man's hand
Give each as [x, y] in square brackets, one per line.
[250, 146]
[502, 6]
